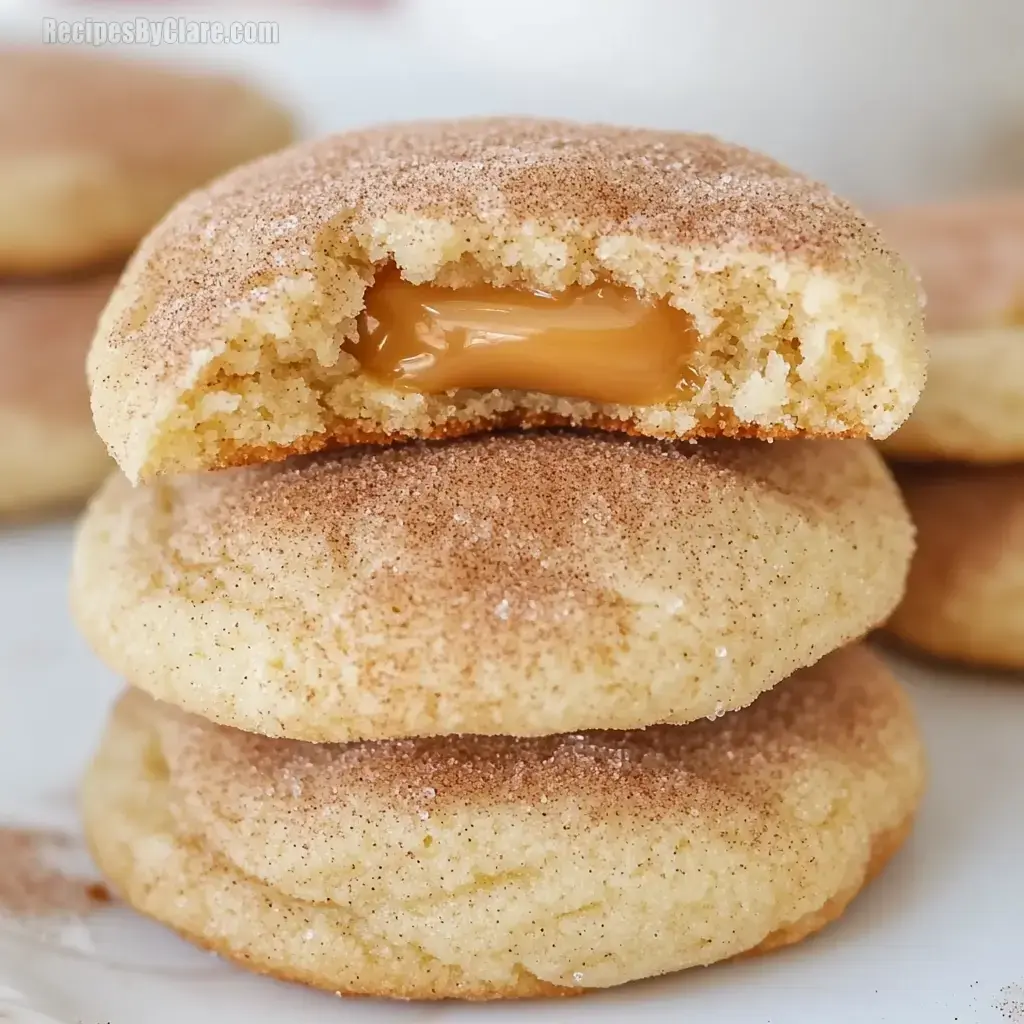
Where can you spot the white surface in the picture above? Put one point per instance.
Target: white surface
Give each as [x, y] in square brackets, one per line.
[937, 938]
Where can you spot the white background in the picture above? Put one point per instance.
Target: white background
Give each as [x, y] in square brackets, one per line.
[885, 99]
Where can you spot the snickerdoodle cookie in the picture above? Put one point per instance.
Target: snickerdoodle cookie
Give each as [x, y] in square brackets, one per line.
[441, 278]
[965, 592]
[971, 259]
[513, 583]
[484, 868]
[49, 451]
[93, 151]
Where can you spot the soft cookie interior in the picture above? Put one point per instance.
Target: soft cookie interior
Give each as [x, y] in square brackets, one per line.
[739, 350]
[658, 283]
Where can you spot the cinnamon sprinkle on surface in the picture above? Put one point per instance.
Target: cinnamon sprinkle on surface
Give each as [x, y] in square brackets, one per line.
[31, 886]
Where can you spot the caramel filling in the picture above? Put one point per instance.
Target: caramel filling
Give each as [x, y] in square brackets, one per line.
[602, 344]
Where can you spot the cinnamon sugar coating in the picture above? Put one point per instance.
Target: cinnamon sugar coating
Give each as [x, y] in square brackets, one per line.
[474, 867]
[516, 584]
[223, 344]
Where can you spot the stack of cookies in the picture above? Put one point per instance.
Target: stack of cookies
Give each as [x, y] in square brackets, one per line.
[92, 153]
[961, 454]
[442, 690]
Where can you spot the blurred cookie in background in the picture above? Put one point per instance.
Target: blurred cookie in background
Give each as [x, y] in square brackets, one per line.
[970, 256]
[972, 409]
[93, 151]
[965, 594]
[50, 452]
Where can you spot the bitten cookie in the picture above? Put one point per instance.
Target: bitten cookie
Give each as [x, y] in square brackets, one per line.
[436, 279]
[971, 258]
[93, 151]
[50, 452]
[486, 868]
[965, 593]
[518, 584]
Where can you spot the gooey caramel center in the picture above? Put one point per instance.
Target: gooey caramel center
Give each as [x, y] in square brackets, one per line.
[602, 344]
